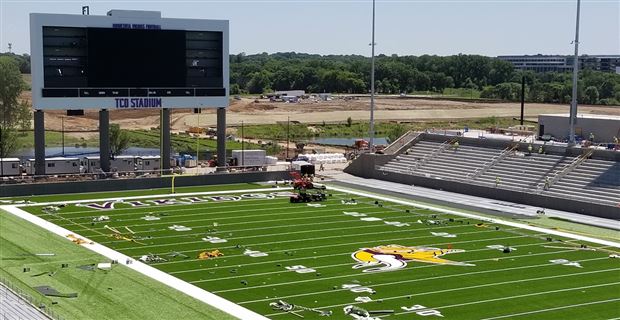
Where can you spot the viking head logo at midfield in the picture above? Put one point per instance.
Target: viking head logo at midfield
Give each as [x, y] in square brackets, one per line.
[393, 257]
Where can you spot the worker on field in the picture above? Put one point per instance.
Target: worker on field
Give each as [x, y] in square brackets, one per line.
[496, 181]
[529, 149]
[591, 136]
[541, 150]
[456, 146]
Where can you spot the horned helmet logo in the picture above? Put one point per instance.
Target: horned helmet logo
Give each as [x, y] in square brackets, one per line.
[393, 257]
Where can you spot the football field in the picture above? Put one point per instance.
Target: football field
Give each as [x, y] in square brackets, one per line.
[375, 258]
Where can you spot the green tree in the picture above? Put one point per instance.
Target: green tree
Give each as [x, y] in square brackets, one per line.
[591, 95]
[119, 140]
[396, 132]
[12, 111]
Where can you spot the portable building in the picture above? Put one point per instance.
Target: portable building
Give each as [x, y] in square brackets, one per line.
[10, 167]
[148, 163]
[117, 164]
[57, 165]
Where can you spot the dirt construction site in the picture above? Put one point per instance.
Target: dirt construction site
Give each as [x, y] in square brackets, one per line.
[262, 111]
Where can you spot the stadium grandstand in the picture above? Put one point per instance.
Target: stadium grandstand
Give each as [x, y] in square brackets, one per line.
[583, 180]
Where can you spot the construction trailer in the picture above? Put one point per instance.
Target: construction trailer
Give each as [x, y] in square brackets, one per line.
[57, 165]
[10, 167]
[148, 163]
[117, 164]
[249, 158]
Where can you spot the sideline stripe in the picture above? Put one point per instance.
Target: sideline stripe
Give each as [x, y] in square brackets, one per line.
[553, 309]
[151, 272]
[474, 216]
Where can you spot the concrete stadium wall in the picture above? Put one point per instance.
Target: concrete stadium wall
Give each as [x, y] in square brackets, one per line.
[603, 128]
[364, 166]
[138, 183]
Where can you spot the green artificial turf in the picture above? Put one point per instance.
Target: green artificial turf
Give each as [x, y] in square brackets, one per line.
[134, 193]
[522, 284]
[120, 293]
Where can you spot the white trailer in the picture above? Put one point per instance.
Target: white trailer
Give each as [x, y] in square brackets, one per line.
[10, 167]
[250, 158]
[118, 164]
[57, 165]
[148, 163]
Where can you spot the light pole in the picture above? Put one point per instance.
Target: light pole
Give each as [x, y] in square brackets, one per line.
[242, 145]
[573, 106]
[288, 128]
[372, 84]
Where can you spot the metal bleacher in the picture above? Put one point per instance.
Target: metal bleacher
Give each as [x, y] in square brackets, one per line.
[574, 177]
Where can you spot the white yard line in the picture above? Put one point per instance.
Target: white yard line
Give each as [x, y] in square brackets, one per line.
[440, 277]
[518, 296]
[361, 243]
[348, 253]
[287, 271]
[394, 230]
[458, 288]
[474, 216]
[554, 309]
[169, 280]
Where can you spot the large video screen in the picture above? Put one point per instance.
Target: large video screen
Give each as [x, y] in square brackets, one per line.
[136, 58]
[114, 62]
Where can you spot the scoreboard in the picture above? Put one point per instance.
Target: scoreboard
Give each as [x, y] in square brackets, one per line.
[128, 59]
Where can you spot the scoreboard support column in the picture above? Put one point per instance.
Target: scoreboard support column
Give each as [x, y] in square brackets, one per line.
[165, 140]
[39, 142]
[104, 140]
[221, 139]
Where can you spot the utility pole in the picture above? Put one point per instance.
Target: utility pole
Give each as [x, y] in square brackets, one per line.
[242, 145]
[62, 126]
[522, 97]
[573, 106]
[372, 84]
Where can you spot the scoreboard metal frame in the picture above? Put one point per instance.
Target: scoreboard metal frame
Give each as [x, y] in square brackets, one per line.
[78, 97]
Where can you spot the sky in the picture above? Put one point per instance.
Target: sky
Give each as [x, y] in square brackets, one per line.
[403, 27]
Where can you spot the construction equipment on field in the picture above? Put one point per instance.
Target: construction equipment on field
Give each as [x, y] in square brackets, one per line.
[306, 190]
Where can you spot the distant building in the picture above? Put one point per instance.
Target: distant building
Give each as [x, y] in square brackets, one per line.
[558, 63]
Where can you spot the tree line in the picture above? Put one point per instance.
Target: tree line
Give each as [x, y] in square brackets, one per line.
[494, 78]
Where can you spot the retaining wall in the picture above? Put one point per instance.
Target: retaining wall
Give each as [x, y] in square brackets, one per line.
[138, 183]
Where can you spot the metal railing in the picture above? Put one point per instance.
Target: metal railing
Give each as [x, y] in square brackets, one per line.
[398, 144]
[433, 154]
[33, 303]
[559, 174]
[493, 161]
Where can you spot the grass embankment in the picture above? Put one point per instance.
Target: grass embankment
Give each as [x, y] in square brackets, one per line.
[120, 293]
[357, 129]
[137, 138]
